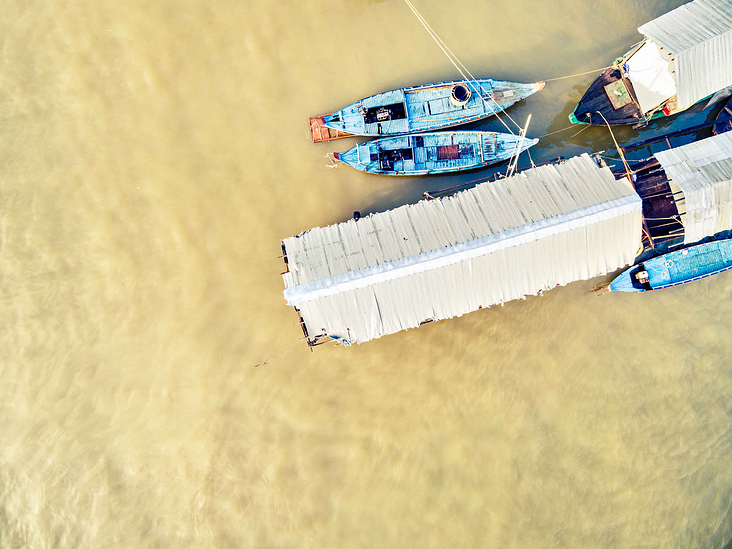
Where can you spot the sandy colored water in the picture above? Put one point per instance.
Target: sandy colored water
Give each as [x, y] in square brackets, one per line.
[152, 156]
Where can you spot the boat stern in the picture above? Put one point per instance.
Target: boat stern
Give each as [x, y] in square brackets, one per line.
[634, 279]
[525, 90]
[610, 99]
[348, 120]
[622, 283]
[509, 144]
[506, 93]
[335, 121]
[358, 157]
[528, 143]
[574, 120]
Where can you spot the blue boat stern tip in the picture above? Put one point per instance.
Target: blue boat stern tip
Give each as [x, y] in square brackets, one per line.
[334, 121]
[624, 283]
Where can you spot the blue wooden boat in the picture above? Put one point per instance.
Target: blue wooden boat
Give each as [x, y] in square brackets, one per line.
[679, 267]
[421, 108]
[431, 153]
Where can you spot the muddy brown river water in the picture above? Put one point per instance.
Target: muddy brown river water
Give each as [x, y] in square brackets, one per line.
[152, 156]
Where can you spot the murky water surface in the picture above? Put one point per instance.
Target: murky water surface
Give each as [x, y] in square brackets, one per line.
[152, 156]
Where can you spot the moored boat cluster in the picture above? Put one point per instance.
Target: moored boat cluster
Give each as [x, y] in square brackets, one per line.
[543, 227]
[405, 120]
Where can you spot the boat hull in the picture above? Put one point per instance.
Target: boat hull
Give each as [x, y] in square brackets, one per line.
[425, 108]
[675, 268]
[433, 153]
[597, 108]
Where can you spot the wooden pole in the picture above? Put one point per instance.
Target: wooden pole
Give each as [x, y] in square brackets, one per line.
[514, 161]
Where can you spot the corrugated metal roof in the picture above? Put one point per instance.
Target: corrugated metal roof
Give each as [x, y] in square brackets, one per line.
[703, 171]
[437, 259]
[699, 34]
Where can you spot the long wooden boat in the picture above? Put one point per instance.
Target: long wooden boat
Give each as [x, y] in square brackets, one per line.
[432, 153]
[421, 108]
[674, 268]
[724, 114]
[682, 61]
[620, 95]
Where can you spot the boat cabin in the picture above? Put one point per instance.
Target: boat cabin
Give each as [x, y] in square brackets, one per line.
[683, 60]
[639, 278]
[384, 113]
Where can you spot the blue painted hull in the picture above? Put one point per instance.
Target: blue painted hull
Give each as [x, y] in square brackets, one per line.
[429, 107]
[679, 267]
[433, 153]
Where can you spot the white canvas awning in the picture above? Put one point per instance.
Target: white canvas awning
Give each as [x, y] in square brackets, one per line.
[437, 259]
[699, 35]
[650, 73]
[703, 171]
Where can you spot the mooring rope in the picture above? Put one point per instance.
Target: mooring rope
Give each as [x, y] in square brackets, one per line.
[576, 75]
[265, 362]
[455, 61]
[565, 129]
[620, 151]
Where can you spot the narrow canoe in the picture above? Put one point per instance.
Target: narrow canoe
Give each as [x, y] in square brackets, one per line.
[679, 267]
[421, 108]
[432, 153]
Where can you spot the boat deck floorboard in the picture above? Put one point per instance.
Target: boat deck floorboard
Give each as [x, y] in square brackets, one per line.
[596, 100]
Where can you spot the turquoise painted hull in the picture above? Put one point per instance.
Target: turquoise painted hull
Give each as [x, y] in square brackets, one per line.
[679, 267]
[427, 108]
[433, 153]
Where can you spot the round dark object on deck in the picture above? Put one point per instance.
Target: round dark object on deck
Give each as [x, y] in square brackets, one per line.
[459, 95]
[356, 215]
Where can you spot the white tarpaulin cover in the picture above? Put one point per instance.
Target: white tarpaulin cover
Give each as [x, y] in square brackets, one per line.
[699, 35]
[703, 171]
[651, 76]
[437, 259]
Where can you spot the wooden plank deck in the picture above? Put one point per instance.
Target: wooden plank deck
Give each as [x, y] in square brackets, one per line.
[660, 212]
[320, 132]
[596, 100]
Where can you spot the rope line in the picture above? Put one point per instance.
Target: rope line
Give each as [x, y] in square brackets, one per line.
[455, 61]
[265, 362]
[565, 129]
[558, 131]
[579, 132]
[620, 151]
[575, 75]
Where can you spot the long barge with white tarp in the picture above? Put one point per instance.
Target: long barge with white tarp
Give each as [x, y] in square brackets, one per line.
[684, 59]
[498, 241]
